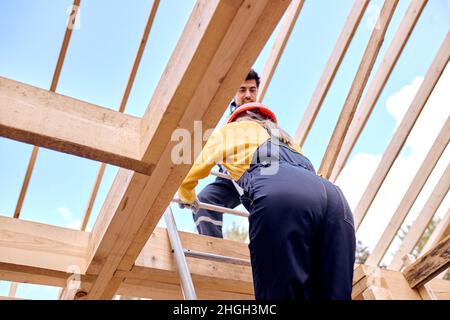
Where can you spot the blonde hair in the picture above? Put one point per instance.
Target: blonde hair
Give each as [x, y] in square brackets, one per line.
[272, 128]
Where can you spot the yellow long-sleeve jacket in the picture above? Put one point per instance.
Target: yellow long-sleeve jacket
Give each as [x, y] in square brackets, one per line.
[233, 146]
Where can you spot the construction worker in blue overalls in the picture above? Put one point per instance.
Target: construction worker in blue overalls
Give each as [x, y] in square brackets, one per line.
[222, 192]
[301, 230]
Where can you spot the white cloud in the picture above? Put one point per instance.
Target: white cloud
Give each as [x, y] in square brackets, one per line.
[65, 213]
[356, 175]
[75, 224]
[71, 222]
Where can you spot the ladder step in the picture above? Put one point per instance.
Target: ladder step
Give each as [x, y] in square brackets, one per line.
[215, 257]
[221, 175]
[220, 209]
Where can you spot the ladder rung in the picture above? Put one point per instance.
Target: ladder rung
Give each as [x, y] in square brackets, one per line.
[222, 175]
[220, 209]
[215, 257]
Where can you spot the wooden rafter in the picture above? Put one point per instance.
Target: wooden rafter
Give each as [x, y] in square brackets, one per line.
[425, 291]
[425, 216]
[429, 265]
[378, 83]
[441, 231]
[357, 88]
[123, 103]
[398, 140]
[54, 84]
[411, 194]
[333, 64]
[287, 25]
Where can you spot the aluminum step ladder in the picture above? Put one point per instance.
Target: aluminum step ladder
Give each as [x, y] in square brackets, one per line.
[187, 285]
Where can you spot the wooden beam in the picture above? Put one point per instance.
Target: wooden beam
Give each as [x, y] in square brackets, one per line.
[10, 298]
[156, 263]
[42, 246]
[167, 291]
[377, 293]
[37, 253]
[393, 281]
[420, 224]
[12, 290]
[43, 276]
[425, 291]
[441, 288]
[333, 64]
[442, 230]
[219, 44]
[357, 88]
[429, 265]
[57, 122]
[26, 181]
[411, 194]
[403, 130]
[287, 25]
[62, 55]
[123, 103]
[380, 79]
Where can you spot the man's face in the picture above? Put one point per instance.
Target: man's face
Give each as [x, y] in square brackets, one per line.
[246, 93]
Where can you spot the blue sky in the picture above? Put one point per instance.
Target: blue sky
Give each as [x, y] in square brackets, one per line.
[100, 57]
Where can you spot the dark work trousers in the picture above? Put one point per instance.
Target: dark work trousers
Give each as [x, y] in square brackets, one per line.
[222, 193]
[302, 236]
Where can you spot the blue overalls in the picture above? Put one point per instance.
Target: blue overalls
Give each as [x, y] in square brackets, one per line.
[302, 236]
[222, 193]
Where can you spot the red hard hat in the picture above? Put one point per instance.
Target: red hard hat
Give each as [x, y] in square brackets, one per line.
[259, 107]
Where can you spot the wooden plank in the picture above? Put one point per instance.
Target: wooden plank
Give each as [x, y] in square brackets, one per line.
[357, 88]
[287, 25]
[12, 290]
[425, 291]
[398, 286]
[411, 195]
[41, 245]
[57, 122]
[429, 265]
[221, 41]
[442, 230]
[93, 196]
[167, 291]
[377, 293]
[43, 254]
[441, 288]
[422, 221]
[380, 79]
[156, 263]
[62, 55]
[43, 276]
[10, 298]
[123, 103]
[366, 282]
[333, 64]
[393, 281]
[403, 130]
[26, 181]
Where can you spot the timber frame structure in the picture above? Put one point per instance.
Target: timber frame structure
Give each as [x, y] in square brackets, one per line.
[125, 253]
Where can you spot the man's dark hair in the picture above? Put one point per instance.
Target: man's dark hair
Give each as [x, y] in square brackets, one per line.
[253, 75]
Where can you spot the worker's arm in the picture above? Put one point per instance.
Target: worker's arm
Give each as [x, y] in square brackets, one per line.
[208, 158]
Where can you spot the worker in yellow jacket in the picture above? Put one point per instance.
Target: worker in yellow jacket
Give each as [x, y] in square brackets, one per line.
[301, 230]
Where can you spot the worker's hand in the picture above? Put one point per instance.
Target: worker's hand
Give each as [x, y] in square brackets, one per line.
[194, 206]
